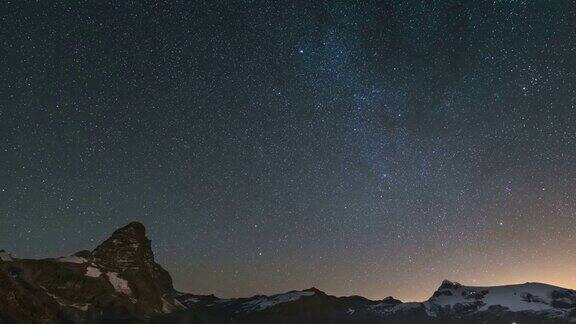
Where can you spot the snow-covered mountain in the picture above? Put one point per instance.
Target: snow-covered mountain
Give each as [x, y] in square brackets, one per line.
[120, 282]
[451, 303]
[538, 298]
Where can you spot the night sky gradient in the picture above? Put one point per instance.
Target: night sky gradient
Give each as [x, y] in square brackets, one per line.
[361, 147]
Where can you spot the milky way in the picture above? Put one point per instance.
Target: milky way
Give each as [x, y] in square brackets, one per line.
[361, 147]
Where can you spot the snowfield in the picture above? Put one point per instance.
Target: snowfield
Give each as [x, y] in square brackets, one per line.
[119, 284]
[72, 259]
[93, 272]
[263, 302]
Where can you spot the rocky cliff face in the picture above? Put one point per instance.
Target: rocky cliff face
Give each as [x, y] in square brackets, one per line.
[127, 254]
[128, 249]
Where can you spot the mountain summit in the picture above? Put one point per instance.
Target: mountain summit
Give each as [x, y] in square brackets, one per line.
[127, 248]
[128, 251]
[120, 282]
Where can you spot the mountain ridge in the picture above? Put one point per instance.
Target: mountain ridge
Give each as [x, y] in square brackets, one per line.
[119, 281]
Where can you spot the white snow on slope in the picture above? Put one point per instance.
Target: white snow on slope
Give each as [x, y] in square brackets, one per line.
[5, 256]
[61, 302]
[192, 300]
[93, 272]
[263, 302]
[167, 307]
[521, 297]
[119, 284]
[386, 308]
[72, 259]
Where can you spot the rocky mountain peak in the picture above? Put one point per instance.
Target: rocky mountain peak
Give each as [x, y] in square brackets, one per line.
[128, 252]
[134, 230]
[119, 278]
[447, 284]
[127, 248]
[391, 300]
[315, 290]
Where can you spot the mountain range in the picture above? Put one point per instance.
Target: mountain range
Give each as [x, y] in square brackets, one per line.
[119, 282]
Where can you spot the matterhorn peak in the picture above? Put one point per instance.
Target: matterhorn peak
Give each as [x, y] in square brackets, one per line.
[135, 229]
[127, 248]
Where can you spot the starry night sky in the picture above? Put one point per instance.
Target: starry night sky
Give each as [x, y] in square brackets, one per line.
[361, 147]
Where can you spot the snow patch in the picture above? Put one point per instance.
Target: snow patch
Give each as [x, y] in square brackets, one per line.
[93, 272]
[261, 303]
[192, 300]
[523, 297]
[179, 304]
[72, 259]
[167, 307]
[5, 256]
[82, 307]
[61, 302]
[119, 284]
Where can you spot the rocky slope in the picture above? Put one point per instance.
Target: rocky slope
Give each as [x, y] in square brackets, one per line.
[119, 282]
